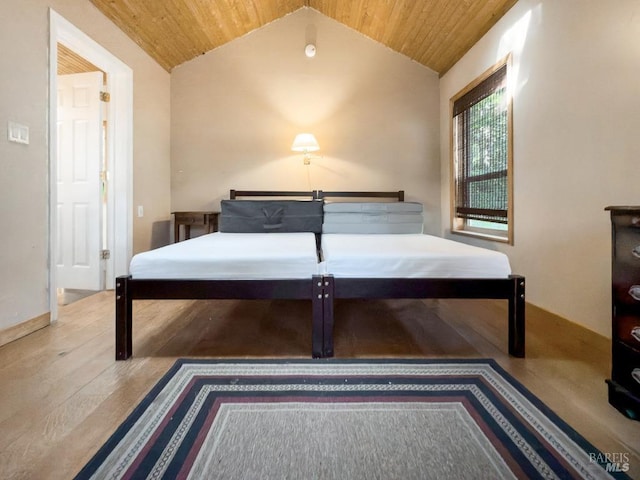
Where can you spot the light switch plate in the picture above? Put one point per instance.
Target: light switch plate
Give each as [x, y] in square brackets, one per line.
[18, 133]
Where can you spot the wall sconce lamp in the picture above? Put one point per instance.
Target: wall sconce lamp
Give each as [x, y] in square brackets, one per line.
[305, 143]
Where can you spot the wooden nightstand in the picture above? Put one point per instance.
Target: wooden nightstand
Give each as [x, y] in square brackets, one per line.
[207, 219]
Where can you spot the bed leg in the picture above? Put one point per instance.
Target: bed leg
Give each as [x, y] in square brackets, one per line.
[124, 338]
[516, 318]
[327, 320]
[317, 329]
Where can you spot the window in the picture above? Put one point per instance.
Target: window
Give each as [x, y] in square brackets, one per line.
[482, 196]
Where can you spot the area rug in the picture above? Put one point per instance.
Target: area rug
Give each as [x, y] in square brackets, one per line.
[356, 419]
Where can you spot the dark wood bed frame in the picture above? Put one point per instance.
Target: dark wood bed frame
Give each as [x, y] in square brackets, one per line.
[322, 290]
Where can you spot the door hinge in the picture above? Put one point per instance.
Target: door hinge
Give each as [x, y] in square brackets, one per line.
[105, 96]
[105, 254]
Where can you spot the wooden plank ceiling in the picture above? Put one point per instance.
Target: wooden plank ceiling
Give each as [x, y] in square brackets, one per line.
[71, 62]
[435, 33]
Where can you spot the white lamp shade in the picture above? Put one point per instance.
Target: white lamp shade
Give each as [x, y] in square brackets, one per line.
[305, 142]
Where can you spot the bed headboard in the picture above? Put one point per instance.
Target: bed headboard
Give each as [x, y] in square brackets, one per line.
[315, 194]
[234, 194]
[399, 195]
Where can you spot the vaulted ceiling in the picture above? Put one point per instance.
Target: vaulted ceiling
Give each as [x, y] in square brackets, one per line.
[435, 33]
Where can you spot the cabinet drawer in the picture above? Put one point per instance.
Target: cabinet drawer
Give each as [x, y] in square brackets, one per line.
[628, 217]
[190, 218]
[626, 367]
[626, 247]
[626, 294]
[626, 329]
[626, 261]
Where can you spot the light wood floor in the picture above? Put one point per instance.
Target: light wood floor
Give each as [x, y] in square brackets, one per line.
[62, 393]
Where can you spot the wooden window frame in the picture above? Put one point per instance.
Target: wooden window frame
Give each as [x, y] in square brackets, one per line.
[461, 225]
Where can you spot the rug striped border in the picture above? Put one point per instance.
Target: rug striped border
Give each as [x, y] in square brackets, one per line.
[533, 440]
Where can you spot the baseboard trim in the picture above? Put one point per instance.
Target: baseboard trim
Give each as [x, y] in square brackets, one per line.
[578, 331]
[25, 328]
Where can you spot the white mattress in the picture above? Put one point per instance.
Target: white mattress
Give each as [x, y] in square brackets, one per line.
[231, 256]
[408, 256]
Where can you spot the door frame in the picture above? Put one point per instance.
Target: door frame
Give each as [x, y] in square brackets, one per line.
[119, 149]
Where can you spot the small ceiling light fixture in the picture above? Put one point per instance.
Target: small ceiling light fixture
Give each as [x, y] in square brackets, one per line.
[310, 50]
[305, 143]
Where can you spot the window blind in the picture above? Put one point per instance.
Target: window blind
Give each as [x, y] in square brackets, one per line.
[481, 151]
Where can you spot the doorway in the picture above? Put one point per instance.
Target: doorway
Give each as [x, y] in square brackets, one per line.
[116, 212]
[82, 131]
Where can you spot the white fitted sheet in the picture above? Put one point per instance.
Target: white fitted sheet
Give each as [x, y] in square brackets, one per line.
[408, 256]
[231, 256]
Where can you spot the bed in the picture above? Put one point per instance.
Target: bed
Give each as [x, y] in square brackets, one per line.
[353, 257]
[229, 265]
[378, 251]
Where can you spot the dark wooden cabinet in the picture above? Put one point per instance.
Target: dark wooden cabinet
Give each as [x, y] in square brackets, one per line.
[208, 220]
[624, 385]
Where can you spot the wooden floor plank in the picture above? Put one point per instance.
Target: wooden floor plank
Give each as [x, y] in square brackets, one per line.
[62, 393]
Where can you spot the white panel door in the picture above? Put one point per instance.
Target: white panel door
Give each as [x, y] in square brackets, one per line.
[78, 255]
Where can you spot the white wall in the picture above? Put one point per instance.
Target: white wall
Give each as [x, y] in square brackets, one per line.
[236, 110]
[576, 116]
[24, 36]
